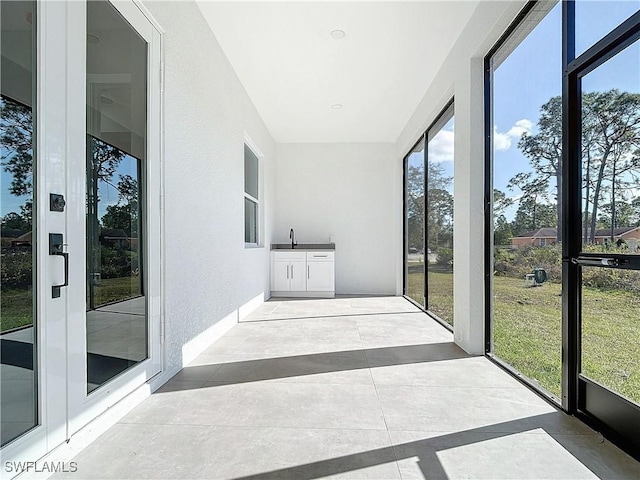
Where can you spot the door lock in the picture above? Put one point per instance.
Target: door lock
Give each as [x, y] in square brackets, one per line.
[56, 202]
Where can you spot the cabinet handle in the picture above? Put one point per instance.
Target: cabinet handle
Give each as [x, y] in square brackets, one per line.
[308, 267]
[287, 272]
[292, 275]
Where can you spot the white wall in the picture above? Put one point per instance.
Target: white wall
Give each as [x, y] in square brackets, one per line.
[346, 190]
[209, 274]
[461, 76]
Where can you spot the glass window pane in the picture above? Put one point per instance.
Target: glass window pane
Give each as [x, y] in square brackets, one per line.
[250, 173]
[415, 255]
[250, 221]
[439, 252]
[596, 18]
[116, 146]
[610, 164]
[18, 370]
[527, 140]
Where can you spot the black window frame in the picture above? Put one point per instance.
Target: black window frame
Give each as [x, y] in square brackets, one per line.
[439, 122]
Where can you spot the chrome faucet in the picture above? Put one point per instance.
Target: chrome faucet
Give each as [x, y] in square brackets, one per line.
[292, 236]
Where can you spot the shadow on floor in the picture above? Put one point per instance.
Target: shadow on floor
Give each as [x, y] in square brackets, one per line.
[245, 371]
[426, 452]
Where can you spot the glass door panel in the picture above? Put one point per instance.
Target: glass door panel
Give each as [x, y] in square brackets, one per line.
[610, 256]
[610, 330]
[116, 321]
[19, 356]
[415, 224]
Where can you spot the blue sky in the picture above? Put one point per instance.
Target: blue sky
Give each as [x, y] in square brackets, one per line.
[532, 75]
[527, 79]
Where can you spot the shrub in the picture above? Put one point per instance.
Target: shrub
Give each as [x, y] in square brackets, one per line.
[445, 257]
[517, 263]
[16, 270]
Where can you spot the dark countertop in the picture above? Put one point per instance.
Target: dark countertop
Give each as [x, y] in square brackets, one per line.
[303, 246]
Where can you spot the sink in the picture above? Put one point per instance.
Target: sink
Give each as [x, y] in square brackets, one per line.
[303, 246]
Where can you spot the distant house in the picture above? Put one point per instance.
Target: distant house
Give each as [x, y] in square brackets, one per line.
[118, 237]
[15, 238]
[630, 235]
[536, 238]
[9, 235]
[548, 236]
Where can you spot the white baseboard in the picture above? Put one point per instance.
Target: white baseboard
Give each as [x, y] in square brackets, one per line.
[304, 294]
[199, 344]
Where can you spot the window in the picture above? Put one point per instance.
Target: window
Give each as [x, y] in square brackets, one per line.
[428, 211]
[439, 218]
[251, 196]
[525, 75]
[414, 258]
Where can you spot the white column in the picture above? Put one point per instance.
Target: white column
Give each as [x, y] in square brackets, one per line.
[468, 242]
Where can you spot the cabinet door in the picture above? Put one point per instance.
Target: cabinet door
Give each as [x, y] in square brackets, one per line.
[320, 277]
[281, 274]
[298, 276]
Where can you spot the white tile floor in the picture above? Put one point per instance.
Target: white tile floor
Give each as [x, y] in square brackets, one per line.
[347, 388]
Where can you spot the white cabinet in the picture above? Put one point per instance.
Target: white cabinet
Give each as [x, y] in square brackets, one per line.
[302, 273]
[288, 271]
[320, 272]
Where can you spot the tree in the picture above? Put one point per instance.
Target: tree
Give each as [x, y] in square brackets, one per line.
[415, 207]
[501, 227]
[439, 207]
[532, 215]
[624, 217]
[610, 153]
[15, 221]
[16, 132]
[544, 151]
[612, 122]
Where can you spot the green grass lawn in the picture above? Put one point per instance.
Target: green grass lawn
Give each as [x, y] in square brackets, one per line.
[16, 306]
[16, 309]
[114, 289]
[528, 330]
[440, 290]
[528, 334]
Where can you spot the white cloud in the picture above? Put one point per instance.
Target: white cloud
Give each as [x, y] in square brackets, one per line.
[503, 141]
[441, 147]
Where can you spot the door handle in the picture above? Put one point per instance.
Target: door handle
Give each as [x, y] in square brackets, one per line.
[599, 261]
[56, 247]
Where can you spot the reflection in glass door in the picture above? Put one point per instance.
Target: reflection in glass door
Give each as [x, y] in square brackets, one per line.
[18, 369]
[117, 333]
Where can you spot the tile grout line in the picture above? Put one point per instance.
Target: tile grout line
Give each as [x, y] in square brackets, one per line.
[384, 418]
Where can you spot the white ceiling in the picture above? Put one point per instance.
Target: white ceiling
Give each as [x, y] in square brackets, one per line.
[294, 71]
